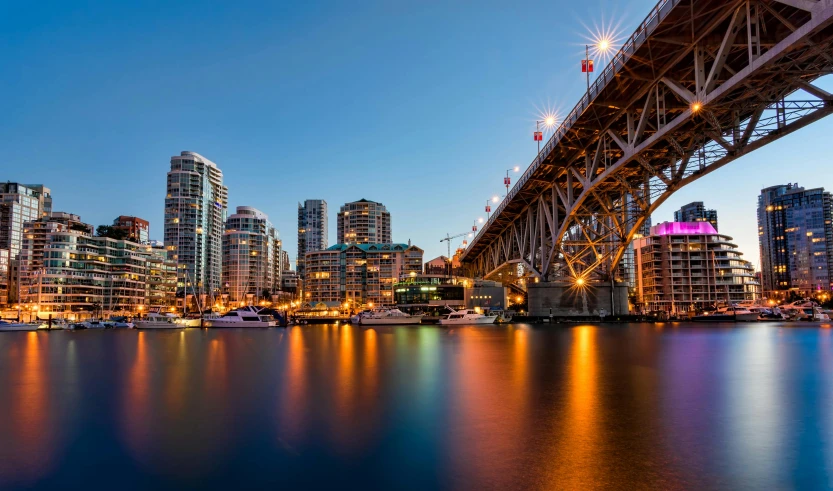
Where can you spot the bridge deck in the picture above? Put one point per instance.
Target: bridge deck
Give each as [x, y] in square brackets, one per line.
[662, 48]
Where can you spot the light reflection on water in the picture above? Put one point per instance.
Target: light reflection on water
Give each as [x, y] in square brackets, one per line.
[523, 407]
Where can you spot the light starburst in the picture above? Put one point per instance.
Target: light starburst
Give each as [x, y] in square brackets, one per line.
[604, 39]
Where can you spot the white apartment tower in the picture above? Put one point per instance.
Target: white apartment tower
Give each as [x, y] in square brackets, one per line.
[251, 256]
[196, 205]
[312, 230]
[364, 222]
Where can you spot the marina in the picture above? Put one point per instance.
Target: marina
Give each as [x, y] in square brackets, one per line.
[652, 406]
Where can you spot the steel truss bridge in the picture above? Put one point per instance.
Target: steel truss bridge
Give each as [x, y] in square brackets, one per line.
[699, 84]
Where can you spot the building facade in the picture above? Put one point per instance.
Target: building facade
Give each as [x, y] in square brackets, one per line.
[683, 266]
[795, 234]
[364, 222]
[19, 203]
[312, 230]
[252, 256]
[137, 229]
[359, 274]
[696, 212]
[626, 269]
[82, 275]
[196, 206]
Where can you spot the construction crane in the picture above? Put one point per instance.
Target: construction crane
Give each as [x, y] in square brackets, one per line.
[449, 238]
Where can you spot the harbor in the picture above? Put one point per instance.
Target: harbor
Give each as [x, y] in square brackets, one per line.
[670, 406]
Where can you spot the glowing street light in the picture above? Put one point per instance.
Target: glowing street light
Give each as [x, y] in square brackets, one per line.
[601, 46]
[549, 121]
[696, 106]
[507, 181]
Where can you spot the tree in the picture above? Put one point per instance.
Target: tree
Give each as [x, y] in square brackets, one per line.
[111, 232]
[266, 295]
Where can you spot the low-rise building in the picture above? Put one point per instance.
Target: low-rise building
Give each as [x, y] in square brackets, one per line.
[135, 228]
[683, 266]
[359, 274]
[429, 293]
[68, 272]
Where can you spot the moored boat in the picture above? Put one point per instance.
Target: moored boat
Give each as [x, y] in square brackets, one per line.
[159, 321]
[466, 317]
[18, 326]
[249, 316]
[728, 314]
[388, 317]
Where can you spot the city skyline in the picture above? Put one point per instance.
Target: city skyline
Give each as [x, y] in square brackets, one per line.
[465, 146]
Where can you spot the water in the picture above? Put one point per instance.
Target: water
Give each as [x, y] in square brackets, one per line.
[519, 407]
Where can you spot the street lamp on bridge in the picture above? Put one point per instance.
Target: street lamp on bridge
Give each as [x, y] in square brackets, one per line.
[602, 45]
[507, 180]
[549, 121]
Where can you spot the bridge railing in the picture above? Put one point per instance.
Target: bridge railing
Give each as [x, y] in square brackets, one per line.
[652, 20]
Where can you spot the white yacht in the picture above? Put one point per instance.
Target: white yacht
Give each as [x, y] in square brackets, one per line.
[243, 317]
[388, 317]
[195, 321]
[804, 310]
[356, 319]
[466, 317]
[18, 326]
[740, 314]
[158, 321]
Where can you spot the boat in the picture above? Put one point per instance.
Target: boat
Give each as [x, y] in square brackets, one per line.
[388, 317]
[728, 314]
[197, 321]
[159, 321]
[767, 314]
[18, 326]
[356, 319]
[96, 324]
[466, 317]
[249, 316]
[812, 313]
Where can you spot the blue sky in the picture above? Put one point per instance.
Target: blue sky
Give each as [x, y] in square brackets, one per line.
[420, 105]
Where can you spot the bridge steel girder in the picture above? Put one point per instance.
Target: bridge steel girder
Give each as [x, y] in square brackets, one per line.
[664, 113]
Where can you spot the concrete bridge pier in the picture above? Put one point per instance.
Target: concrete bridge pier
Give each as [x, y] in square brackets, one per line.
[560, 298]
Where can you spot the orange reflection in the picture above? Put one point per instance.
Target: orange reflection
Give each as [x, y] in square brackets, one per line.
[29, 420]
[175, 382]
[576, 463]
[491, 418]
[137, 400]
[294, 400]
[346, 412]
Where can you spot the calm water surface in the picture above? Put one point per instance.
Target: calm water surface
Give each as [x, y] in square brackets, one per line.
[519, 407]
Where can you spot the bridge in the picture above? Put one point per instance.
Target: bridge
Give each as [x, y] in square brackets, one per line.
[699, 84]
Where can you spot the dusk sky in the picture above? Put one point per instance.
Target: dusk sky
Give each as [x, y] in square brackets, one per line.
[419, 105]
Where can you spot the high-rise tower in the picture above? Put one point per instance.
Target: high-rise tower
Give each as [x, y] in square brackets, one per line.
[196, 205]
[364, 222]
[312, 230]
[796, 238]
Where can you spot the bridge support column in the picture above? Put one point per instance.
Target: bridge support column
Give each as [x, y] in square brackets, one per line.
[566, 299]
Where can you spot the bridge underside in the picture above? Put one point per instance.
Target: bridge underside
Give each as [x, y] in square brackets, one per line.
[700, 84]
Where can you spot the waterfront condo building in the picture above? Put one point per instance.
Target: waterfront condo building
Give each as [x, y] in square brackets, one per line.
[252, 257]
[68, 272]
[682, 266]
[359, 274]
[135, 228]
[19, 203]
[364, 222]
[312, 230]
[696, 212]
[196, 204]
[795, 233]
